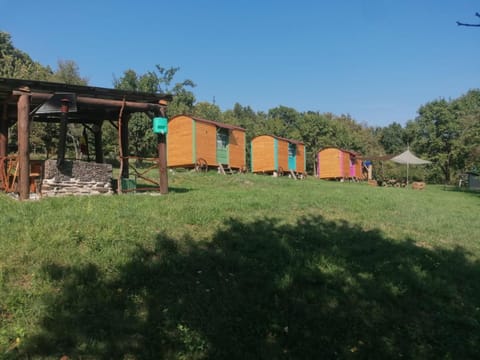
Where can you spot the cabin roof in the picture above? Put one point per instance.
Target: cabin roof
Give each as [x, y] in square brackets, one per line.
[297, 142]
[216, 123]
[344, 150]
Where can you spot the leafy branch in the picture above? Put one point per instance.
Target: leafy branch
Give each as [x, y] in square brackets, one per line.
[466, 24]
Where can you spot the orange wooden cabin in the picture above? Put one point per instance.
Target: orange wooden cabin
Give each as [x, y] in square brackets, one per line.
[199, 142]
[335, 163]
[270, 153]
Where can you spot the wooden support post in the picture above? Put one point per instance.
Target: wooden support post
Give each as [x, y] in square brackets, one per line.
[162, 162]
[23, 109]
[4, 132]
[162, 153]
[3, 145]
[63, 133]
[97, 131]
[125, 170]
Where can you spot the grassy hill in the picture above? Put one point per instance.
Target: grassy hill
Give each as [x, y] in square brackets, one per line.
[242, 266]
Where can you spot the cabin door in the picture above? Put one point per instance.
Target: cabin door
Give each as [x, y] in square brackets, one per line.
[222, 146]
[352, 167]
[292, 157]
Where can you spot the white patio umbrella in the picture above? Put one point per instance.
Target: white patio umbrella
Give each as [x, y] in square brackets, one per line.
[408, 158]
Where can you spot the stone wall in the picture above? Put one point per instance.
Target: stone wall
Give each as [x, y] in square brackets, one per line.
[76, 178]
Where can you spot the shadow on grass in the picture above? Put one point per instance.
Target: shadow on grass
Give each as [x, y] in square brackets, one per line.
[462, 190]
[178, 190]
[152, 189]
[265, 290]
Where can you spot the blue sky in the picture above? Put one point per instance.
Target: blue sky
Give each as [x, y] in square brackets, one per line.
[377, 60]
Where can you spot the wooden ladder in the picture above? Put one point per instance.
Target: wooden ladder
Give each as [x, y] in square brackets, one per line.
[224, 171]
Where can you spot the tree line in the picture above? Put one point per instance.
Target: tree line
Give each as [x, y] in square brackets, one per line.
[446, 132]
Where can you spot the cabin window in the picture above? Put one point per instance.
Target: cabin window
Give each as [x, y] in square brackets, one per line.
[292, 150]
[222, 138]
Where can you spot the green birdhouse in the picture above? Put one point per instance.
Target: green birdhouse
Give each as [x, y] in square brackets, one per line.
[160, 125]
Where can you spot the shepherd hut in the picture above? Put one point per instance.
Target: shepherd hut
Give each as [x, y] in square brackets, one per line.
[271, 154]
[195, 142]
[339, 164]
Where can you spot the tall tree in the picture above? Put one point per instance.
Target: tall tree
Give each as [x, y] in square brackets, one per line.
[208, 111]
[283, 121]
[316, 131]
[142, 140]
[437, 132]
[17, 64]
[161, 80]
[287, 115]
[68, 72]
[345, 133]
[467, 110]
[393, 138]
[246, 117]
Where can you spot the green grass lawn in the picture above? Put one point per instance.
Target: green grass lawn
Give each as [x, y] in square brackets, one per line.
[242, 267]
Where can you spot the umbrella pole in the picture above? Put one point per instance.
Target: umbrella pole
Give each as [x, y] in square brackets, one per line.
[407, 174]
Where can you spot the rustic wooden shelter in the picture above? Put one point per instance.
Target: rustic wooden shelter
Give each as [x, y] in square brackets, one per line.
[194, 142]
[25, 101]
[339, 164]
[270, 153]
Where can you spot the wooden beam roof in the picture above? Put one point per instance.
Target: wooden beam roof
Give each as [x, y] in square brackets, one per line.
[93, 103]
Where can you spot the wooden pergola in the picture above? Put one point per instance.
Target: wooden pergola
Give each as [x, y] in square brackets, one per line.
[24, 101]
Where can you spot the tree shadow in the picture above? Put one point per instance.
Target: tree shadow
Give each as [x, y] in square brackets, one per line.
[268, 290]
